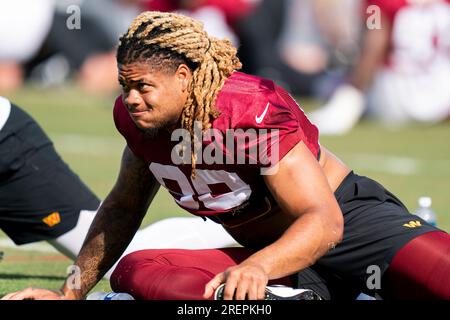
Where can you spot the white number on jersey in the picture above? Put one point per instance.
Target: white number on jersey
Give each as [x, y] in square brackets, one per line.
[240, 191]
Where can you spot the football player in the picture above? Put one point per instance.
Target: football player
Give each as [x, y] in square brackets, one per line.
[41, 198]
[303, 217]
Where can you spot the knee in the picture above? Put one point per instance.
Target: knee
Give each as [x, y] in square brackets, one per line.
[161, 275]
[139, 272]
[123, 278]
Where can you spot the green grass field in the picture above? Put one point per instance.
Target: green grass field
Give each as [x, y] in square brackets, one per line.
[411, 162]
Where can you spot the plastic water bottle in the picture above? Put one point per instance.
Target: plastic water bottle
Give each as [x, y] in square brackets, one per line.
[100, 295]
[425, 212]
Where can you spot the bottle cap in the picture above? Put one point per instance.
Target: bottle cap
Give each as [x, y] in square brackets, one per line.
[425, 202]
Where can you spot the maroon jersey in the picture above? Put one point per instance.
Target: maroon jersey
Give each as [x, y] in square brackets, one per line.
[259, 123]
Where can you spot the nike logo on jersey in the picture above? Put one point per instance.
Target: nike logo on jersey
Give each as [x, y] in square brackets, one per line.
[261, 117]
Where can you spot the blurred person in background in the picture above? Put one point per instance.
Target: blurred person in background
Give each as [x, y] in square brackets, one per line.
[84, 51]
[403, 73]
[23, 28]
[49, 42]
[112, 17]
[304, 45]
[221, 18]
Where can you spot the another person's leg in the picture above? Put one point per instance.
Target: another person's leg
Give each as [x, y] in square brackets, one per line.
[70, 243]
[40, 196]
[181, 233]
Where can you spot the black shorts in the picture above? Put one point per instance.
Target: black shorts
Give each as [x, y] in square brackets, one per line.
[376, 226]
[40, 197]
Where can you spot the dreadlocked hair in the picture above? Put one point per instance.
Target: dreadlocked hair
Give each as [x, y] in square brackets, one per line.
[170, 39]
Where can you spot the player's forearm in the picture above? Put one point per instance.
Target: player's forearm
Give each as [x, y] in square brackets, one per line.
[374, 50]
[115, 224]
[310, 237]
[109, 235]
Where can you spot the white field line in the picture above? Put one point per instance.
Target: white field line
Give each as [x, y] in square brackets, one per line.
[85, 144]
[6, 243]
[388, 164]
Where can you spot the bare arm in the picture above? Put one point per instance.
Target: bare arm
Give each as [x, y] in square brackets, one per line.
[319, 222]
[318, 226]
[115, 224]
[375, 45]
[347, 103]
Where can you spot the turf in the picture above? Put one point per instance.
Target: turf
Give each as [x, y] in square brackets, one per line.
[411, 162]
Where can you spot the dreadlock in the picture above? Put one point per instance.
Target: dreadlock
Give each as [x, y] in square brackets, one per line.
[170, 39]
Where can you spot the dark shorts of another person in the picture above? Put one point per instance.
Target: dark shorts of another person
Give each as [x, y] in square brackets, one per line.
[376, 226]
[40, 197]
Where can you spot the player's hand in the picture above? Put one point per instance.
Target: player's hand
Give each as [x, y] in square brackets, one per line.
[244, 281]
[35, 294]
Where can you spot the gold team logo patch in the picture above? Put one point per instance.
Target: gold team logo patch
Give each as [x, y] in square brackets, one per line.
[52, 219]
[413, 224]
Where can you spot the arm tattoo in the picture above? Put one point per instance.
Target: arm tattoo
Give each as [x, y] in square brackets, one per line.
[117, 220]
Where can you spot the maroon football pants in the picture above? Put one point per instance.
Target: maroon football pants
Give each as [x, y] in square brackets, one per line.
[419, 270]
[175, 274]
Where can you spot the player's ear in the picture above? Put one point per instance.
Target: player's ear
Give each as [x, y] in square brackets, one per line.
[183, 75]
